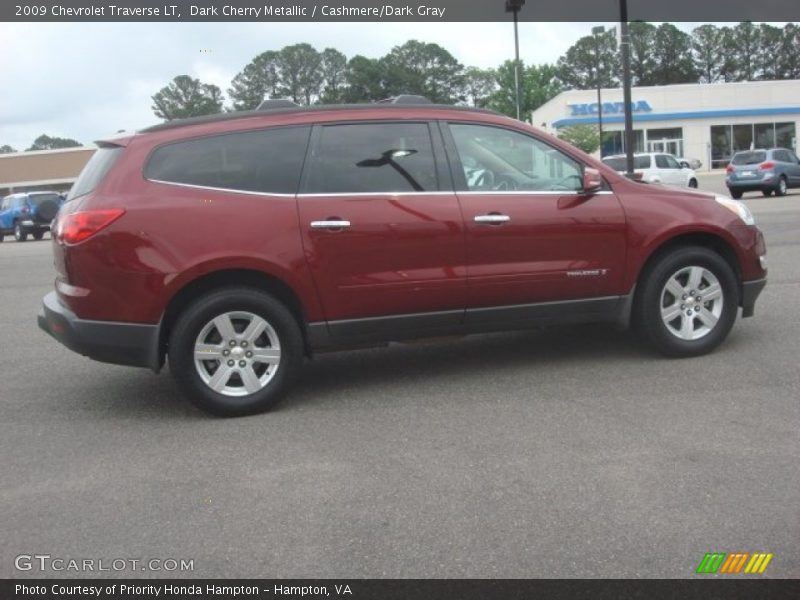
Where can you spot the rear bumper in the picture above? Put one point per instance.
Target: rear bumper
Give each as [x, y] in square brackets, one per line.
[133, 344]
[750, 293]
[752, 186]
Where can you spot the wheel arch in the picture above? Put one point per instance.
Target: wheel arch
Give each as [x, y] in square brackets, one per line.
[711, 241]
[234, 277]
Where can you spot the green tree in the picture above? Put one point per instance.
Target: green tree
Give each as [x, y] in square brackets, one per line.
[479, 85]
[426, 69]
[364, 80]
[672, 50]
[770, 45]
[333, 67]
[6, 149]
[578, 68]
[45, 142]
[742, 46]
[186, 97]
[789, 58]
[585, 137]
[300, 72]
[538, 84]
[259, 80]
[707, 52]
[643, 61]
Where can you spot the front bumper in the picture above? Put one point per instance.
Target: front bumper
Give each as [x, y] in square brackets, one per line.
[750, 293]
[133, 344]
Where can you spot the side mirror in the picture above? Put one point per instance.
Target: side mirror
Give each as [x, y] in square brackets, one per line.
[592, 180]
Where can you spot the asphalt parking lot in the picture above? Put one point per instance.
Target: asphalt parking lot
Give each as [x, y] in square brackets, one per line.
[570, 452]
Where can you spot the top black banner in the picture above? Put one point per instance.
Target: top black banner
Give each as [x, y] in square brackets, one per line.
[321, 11]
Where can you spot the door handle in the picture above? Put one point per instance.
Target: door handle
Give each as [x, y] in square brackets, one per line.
[330, 224]
[492, 219]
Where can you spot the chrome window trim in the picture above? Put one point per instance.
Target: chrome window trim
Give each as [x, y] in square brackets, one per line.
[218, 189]
[362, 194]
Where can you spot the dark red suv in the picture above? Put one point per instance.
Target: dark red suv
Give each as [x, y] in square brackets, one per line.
[237, 244]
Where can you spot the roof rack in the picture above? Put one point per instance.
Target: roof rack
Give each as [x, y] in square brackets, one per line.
[405, 99]
[272, 103]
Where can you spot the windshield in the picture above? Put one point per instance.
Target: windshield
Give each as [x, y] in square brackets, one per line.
[749, 158]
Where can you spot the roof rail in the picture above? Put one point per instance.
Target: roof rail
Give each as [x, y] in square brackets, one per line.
[271, 103]
[405, 99]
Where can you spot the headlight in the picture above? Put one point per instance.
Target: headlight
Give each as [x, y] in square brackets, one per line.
[738, 208]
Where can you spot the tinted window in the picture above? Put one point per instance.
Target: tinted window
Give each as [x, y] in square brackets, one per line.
[496, 159]
[641, 162]
[749, 158]
[373, 158]
[268, 161]
[94, 171]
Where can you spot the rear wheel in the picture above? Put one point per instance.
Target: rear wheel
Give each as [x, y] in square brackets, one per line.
[688, 302]
[693, 183]
[235, 352]
[736, 194]
[780, 189]
[19, 233]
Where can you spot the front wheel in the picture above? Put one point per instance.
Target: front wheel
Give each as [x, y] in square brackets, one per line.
[693, 183]
[19, 233]
[38, 235]
[735, 194]
[687, 302]
[766, 193]
[235, 352]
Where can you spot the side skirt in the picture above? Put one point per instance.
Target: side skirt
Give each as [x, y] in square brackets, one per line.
[373, 331]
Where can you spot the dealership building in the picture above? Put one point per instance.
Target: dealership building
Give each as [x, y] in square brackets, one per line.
[708, 122]
[54, 170]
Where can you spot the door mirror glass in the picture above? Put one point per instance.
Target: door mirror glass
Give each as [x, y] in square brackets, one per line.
[592, 180]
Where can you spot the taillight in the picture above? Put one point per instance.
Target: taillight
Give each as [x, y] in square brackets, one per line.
[766, 166]
[77, 227]
[729, 169]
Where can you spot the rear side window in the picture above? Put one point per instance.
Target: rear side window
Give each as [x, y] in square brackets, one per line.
[641, 162]
[94, 171]
[372, 158]
[267, 161]
[749, 158]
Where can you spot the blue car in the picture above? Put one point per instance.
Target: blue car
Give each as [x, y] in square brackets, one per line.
[28, 213]
[766, 171]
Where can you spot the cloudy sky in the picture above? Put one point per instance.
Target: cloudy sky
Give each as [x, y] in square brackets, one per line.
[87, 80]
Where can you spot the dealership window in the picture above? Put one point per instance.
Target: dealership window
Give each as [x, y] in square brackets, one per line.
[669, 140]
[614, 142]
[728, 139]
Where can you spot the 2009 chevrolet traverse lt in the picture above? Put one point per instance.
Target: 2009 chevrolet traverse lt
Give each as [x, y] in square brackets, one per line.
[235, 245]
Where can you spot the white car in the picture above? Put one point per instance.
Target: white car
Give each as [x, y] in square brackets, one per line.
[656, 167]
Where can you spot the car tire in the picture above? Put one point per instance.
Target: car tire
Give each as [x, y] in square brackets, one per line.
[735, 194]
[663, 302]
[19, 233]
[229, 346]
[693, 183]
[38, 235]
[2, 236]
[780, 189]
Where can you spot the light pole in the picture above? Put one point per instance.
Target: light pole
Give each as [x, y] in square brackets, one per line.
[596, 32]
[625, 44]
[514, 6]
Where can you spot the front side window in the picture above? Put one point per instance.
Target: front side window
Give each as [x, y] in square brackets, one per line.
[372, 158]
[267, 161]
[665, 161]
[497, 159]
